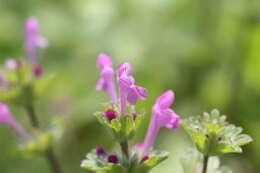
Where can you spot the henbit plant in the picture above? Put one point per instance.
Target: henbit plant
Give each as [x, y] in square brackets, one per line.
[22, 84]
[122, 120]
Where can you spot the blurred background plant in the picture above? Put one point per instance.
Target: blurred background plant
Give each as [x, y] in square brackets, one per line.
[206, 51]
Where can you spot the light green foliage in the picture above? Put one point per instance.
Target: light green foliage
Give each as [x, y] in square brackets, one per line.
[192, 162]
[96, 163]
[41, 140]
[213, 135]
[155, 158]
[23, 87]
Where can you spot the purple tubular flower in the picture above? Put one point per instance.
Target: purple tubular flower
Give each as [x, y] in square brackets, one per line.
[33, 39]
[7, 118]
[163, 116]
[128, 90]
[106, 81]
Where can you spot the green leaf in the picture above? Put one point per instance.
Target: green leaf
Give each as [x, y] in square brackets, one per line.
[10, 95]
[213, 135]
[155, 158]
[41, 84]
[122, 128]
[40, 141]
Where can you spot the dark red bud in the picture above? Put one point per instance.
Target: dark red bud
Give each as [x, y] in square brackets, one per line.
[37, 70]
[134, 116]
[207, 136]
[112, 159]
[110, 114]
[100, 151]
[219, 139]
[145, 158]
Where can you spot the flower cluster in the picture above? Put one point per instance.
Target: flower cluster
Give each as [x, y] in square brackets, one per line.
[122, 119]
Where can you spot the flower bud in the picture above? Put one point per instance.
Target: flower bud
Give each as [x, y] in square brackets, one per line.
[100, 151]
[110, 114]
[112, 159]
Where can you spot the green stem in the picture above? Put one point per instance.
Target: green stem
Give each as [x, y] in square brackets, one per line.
[124, 148]
[205, 164]
[49, 153]
[32, 115]
[53, 161]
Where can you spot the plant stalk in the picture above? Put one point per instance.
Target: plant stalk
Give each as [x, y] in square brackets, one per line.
[32, 115]
[49, 153]
[205, 164]
[53, 161]
[124, 148]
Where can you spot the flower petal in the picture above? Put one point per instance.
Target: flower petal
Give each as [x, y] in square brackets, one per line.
[165, 100]
[141, 92]
[100, 84]
[124, 68]
[104, 60]
[132, 97]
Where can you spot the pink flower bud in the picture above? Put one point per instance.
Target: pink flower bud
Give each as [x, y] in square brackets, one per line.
[110, 114]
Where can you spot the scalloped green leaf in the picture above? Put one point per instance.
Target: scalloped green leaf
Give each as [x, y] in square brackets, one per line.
[154, 159]
[213, 135]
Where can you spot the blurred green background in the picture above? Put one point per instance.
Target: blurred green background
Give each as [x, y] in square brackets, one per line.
[207, 51]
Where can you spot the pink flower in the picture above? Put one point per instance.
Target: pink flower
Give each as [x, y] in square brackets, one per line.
[162, 116]
[33, 39]
[7, 118]
[106, 81]
[128, 90]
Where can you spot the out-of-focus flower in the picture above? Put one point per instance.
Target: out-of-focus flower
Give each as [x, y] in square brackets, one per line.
[13, 64]
[106, 81]
[128, 90]
[162, 116]
[7, 118]
[33, 39]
